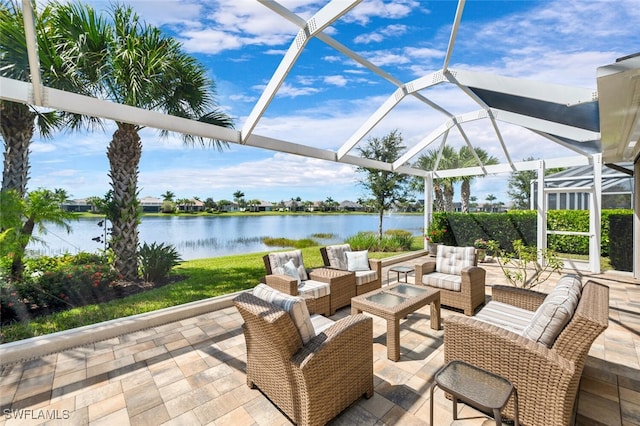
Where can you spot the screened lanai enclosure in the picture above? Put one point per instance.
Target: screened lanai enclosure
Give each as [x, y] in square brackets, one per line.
[573, 126]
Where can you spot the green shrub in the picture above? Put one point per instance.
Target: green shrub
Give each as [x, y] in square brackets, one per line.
[157, 260]
[286, 242]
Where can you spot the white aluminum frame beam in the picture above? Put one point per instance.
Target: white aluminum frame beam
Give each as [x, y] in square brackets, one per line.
[330, 13]
[454, 33]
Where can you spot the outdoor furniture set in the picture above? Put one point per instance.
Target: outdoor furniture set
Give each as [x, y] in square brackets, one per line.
[523, 345]
[346, 274]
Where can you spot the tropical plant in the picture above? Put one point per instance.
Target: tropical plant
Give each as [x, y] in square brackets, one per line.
[468, 159]
[386, 187]
[526, 266]
[520, 186]
[157, 260]
[40, 207]
[139, 66]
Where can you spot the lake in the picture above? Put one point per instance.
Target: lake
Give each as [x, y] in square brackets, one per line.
[211, 236]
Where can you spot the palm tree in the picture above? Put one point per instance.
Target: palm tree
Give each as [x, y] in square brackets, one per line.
[443, 188]
[39, 206]
[490, 198]
[168, 196]
[467, 159]
[19, 121]
[143, 68]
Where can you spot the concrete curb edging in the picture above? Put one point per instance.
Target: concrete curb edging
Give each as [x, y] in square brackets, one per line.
[40, 346]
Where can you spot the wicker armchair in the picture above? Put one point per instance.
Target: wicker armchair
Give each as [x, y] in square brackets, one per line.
[456, 274]
[325, 290]
[334, 257]
[310, 383]
[546, 378]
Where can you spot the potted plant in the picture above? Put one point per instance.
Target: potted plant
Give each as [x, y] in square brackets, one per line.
[481, 246]
[434, 237]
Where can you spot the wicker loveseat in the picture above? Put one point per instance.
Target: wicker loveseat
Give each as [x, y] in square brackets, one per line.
[455, 272]
[310, 382]
[325, 290]
[368, 277]
[546, 371]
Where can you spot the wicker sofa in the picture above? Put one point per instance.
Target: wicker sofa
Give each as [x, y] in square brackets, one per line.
[546, 373]
[455, 272]
[313, 382]
[367, 277]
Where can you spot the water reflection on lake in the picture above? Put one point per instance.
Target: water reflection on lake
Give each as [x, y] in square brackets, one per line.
[210, 236]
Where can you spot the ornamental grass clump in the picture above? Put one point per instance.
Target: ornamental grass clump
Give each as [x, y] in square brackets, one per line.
[526, 266]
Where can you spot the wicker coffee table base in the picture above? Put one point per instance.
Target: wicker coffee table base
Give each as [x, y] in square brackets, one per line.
[393, 314]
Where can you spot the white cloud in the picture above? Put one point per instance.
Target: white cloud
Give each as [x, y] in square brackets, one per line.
[335, 80]
[393, 30]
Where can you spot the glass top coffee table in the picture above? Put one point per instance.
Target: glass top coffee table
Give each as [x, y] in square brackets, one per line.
[395, 302]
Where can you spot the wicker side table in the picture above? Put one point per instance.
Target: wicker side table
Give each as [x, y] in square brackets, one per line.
[474, 386]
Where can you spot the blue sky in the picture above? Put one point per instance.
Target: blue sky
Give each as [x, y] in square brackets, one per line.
[327, 96]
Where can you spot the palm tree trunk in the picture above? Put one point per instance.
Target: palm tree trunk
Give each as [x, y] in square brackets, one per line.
[17, 127]
[465, 193]
[438, 198]
[124, 153]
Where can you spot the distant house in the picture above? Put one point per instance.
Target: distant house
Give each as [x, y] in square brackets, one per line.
[79, 205]
[350, 206]
[151, 204]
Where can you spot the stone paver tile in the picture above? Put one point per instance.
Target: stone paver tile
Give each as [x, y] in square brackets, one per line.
[264, 413]
[153, 354]
[69, 378]
[77, 388]
[120, 418]
[185, 419]
[154, 416]
[599, 409]
[397, 416]
[177, 344]
[631, 412]
[97, 394]
[216, 408]
[163, 339]
[377, 405]
[109, 366]
[167, 376]
[142, 398]
[601, 389]
[99, 359]
[237, 417]
[191, 368]
[134, 349]
[230, 382]
[175, 389]
[106, 406]
[210, 375]
[134, 380]
[189, 401]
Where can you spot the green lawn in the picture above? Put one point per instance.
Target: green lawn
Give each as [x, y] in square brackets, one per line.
[204, 278]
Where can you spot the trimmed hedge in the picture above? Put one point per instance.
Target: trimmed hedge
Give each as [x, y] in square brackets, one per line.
[464, 228]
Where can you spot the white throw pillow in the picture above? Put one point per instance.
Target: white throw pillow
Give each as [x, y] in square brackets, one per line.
[357, 260]
[291, 270]
[295, 306]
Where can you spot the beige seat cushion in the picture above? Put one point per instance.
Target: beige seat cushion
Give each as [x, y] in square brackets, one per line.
[364, 277]
[505, 316]
[295, 306]
[443, 281]
[314, 288]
